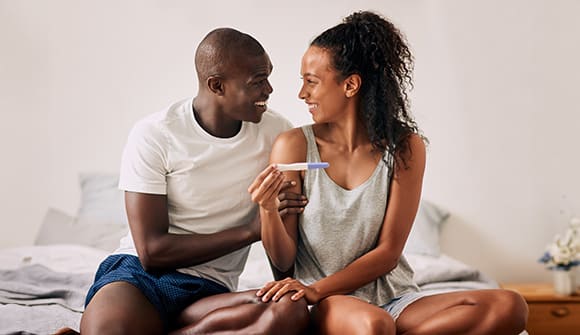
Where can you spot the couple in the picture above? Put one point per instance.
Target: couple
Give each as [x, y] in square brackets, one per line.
[186, 171]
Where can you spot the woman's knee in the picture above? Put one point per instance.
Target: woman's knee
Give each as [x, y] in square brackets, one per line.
[377, 324]
[507, 312]
[514, 309]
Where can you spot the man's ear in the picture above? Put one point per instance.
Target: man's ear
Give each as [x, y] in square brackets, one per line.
[216, 85]
[352, 85]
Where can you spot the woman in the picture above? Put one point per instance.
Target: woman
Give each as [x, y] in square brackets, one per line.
[345, 249]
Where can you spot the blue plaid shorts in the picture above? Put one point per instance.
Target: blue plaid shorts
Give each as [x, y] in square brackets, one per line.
[170, 292]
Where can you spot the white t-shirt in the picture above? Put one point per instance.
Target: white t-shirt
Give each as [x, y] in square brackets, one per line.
[204, 177]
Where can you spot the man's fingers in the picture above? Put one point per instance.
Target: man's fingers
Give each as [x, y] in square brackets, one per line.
[288, 184]
[291, 210]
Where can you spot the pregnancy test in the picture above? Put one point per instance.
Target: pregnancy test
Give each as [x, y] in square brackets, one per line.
[301, 166]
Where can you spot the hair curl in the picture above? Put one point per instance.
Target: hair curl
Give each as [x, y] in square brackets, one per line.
[372, 47]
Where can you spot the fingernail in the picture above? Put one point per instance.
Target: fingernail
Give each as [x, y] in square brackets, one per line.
[292, 183]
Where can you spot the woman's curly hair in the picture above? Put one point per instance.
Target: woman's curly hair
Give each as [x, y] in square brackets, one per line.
[372, 47]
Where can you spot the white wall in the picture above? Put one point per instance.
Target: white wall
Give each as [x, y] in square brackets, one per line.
[495, 92]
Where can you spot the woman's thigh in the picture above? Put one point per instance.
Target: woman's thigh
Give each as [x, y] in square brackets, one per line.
[341, 314]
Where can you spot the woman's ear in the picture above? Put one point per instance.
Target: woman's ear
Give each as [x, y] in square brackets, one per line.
[352, 85]
[216, 85]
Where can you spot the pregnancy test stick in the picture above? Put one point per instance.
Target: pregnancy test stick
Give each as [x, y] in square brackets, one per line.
[301, 166]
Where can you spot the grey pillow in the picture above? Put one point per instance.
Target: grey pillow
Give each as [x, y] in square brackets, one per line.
[102, 202]
[60, 228]
[425, 233]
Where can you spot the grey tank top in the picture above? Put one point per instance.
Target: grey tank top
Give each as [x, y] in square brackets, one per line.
[338, 226]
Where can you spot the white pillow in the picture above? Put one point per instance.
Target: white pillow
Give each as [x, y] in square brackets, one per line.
[429, 269]
[60, 228]
[424, 236]
[102, 202]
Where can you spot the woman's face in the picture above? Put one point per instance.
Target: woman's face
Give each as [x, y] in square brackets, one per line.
[322, 89]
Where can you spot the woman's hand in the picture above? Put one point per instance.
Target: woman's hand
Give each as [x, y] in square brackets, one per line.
[265, 188]
[276, 289]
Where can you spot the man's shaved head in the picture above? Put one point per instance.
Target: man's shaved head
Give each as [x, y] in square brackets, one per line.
[221, 47]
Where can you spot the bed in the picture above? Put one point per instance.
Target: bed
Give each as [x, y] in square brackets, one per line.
[42, 286]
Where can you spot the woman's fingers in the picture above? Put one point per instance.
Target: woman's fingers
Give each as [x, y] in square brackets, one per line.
[296, 296]
[276, 289]
[269, 187]
[260, 178]
[265, 288]
[268, 295]
[271, 193]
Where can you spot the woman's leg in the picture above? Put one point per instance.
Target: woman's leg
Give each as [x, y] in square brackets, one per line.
[474, 312]
[243, 313]
[341, 314]
[120, 308]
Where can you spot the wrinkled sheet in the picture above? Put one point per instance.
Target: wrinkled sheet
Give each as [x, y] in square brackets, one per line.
[42, 288]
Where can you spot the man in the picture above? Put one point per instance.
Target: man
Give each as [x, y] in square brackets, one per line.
[185, 172]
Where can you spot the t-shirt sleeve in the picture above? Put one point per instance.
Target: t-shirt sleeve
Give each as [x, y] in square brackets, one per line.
[281, 123]
[144, 160]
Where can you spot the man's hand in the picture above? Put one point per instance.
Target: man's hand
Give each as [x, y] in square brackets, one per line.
[290, 202]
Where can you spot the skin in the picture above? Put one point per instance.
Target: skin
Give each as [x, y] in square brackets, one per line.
[222, 103]
[343, 142]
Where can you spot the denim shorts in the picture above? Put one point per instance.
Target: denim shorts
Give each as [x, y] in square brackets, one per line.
[396, 306]
[170, 292]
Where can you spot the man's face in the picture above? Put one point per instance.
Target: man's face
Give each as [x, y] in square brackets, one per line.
[246, 88]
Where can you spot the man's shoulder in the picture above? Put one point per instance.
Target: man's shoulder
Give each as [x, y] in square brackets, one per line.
[164, 117]
[273, 118]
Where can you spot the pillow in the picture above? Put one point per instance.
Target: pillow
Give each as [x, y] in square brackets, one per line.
[60, 228]
[102, 202]
[424, 236]
[440, 269]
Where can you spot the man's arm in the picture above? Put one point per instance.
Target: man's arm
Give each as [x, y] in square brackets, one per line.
[157, 248]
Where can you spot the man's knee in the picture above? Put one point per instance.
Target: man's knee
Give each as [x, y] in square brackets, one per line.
[289, 313]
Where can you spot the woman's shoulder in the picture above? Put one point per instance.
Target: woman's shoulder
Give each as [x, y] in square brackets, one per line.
[292, 137]
[291, 143]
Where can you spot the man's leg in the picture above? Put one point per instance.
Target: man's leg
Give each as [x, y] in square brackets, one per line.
[120, 308]
[243, 313]
[475, 312]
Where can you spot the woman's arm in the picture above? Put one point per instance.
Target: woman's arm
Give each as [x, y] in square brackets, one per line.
[279, 236]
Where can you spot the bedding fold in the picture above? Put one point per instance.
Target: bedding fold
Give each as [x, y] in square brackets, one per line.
[38, 285]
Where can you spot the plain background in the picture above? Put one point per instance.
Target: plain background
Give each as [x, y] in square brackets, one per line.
[496, 92]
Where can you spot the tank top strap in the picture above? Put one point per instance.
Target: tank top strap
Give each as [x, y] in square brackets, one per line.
[312, 152]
